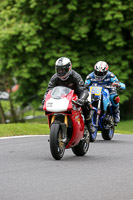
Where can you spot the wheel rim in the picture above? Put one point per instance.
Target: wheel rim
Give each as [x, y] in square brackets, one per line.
[86, 143]
[85, 146]
[93, 135]
[111, 132]
[61, 145]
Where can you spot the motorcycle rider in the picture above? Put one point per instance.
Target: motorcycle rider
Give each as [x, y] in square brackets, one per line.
[67, 77]
[102, 76]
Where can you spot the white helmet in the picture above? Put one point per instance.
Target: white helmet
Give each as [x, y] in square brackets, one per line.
[100, 70]
[63, 67]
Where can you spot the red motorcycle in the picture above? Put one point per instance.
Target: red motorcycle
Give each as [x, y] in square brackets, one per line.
[66, 123]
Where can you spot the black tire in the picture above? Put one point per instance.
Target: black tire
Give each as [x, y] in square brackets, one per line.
[56, 146]
[107, 134]
[93, 136]
[83, 146]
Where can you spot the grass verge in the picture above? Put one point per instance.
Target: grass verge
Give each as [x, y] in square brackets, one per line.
[124, 127]
[23, 129]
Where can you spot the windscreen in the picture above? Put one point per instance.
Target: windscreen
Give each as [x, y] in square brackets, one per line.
[59, 91]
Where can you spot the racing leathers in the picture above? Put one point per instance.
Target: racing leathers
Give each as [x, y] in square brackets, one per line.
[114, 98]
[76, 83]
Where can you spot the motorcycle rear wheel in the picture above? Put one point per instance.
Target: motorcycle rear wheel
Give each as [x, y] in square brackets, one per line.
[83, 146]
[57, 147]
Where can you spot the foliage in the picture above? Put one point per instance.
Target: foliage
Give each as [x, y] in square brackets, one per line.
[34, 33]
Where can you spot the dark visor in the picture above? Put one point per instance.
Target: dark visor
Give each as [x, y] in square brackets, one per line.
[61, 71]
[100, 73]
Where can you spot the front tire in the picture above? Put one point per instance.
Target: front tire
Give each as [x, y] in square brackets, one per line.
[107, 134]
[57, 147]
[93, 136]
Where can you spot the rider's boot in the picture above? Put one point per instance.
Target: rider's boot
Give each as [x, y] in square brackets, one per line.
[90, 126]
[116, 113]
[88, 119]
[89, 115]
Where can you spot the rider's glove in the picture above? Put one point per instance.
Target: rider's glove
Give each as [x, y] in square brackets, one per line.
[80, 102]
[43, 101]
[117, 85]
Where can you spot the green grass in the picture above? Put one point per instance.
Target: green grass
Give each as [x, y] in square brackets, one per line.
[125, 127]
[42, 120]
[23, 129]
[40, 127]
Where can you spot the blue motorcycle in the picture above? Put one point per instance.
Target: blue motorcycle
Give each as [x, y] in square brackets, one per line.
[101, 112]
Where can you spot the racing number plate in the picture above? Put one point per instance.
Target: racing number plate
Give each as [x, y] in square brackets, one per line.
[95, 90]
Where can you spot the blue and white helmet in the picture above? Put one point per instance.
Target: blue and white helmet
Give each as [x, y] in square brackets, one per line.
[100, 70]
[63, 67]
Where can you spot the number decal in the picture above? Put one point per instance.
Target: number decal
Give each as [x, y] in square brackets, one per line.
[95, 90]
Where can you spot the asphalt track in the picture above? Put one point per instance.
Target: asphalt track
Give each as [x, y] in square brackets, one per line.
[28, 171]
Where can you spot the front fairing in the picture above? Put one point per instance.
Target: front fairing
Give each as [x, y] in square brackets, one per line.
[106, 98]
[78, 128]
[97, 93]
[58, 99]
[57, 105]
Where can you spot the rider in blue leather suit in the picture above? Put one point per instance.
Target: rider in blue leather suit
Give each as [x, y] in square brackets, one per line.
[102, 76]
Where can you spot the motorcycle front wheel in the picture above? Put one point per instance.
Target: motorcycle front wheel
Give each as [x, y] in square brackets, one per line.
[93, 136]
[57, 146]
[107, 134]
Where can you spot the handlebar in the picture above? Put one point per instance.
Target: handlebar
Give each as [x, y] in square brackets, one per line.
[114, 85]
[105, 86]
[109, 87]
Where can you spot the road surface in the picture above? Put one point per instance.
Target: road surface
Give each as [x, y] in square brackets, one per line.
[28, 171]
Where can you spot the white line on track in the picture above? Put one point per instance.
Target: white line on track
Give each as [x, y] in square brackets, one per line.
[21, 136]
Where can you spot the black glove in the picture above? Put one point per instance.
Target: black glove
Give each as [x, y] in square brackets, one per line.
[43, 101]
[89, 106]
[80, 102]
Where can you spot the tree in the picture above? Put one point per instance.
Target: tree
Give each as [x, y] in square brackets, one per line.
[3, 118]
[6, 83]
[34, 33]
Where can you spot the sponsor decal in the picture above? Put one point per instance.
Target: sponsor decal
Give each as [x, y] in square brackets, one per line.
[49, 104]
[77, 117]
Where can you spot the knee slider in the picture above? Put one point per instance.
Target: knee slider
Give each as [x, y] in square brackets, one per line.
[116, 99]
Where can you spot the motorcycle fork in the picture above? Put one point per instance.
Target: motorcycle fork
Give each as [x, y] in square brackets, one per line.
[63, 126]
[98, 111]
[65, 120]
[52, 119]
[64, 129]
